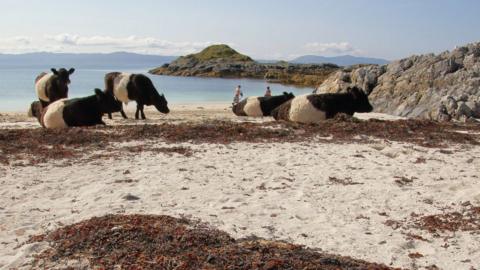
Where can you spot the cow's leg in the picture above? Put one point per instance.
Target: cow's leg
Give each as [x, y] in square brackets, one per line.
[330, 114]
[123, 114]
[140, 107]
[137, 111]
[141, 111]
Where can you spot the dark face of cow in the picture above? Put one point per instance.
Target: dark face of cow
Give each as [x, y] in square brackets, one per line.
[288, 96]
[63, 79]
[35, 109]
[160, 102]
[107, 103]
[362, 104]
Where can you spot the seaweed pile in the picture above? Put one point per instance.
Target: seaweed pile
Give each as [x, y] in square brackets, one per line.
[163, 242]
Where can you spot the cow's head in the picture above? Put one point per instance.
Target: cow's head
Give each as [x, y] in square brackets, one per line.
[35, 109]
[107, 102]
[288, 95]
[361, 102]
[160, 102]
[63, 80]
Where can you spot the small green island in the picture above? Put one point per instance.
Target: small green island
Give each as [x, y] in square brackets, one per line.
[221, 61]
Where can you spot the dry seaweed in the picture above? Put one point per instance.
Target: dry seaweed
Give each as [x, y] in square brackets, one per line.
[163, 242]
[41, 145]
[465, 220]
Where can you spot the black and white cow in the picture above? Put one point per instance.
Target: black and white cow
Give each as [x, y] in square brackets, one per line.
[77, 112]
[315, 108]
[260, 106]
[51, 87]
[128, 87]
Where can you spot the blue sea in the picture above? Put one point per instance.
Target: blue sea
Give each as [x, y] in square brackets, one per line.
[17, 86]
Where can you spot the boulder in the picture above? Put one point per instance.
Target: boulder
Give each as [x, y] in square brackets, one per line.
[439, 87]
[364, 77]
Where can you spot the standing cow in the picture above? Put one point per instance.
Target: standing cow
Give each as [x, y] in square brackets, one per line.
[77, 112]
[51, 87]
[260, 106]
[128, 87]
[315, 108]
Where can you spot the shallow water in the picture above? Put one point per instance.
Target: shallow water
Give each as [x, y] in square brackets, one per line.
[17, 87]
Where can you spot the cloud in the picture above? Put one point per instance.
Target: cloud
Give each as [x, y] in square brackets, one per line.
[130, 43]
[334, 48]
[65, 42]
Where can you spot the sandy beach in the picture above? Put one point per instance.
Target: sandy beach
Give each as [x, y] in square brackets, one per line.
[361, 199]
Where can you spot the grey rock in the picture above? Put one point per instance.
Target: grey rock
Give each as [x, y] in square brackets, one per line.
[450, 104]
[364, 77]
[463, 97]
[463, 110]
[440, 87]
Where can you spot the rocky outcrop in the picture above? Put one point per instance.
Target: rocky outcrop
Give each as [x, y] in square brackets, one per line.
[439, 87]
[222, 61]
[364, 76]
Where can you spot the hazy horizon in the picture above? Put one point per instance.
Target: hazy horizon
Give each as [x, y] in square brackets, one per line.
[267, 29]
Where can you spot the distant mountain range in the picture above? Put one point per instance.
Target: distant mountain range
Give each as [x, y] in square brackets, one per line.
[115, 60]
[344, 60]
[126, 60]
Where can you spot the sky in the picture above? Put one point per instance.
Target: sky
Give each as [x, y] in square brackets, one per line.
[263, 29]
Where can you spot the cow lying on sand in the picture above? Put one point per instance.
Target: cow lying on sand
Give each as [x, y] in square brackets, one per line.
[134, 87]
[315, 108]
[77, 112]
[260, 106]
[51, 87]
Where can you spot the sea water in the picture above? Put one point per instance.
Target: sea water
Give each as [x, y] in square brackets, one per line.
[17, 88]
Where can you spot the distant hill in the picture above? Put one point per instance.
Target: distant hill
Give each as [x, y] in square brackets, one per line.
[344, 60]
[218, 52]
[115, 60]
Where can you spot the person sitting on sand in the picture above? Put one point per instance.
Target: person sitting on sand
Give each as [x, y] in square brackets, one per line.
[268, 93]
[238, 95]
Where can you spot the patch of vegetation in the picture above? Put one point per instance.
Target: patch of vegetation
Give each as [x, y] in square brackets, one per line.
[220, 51]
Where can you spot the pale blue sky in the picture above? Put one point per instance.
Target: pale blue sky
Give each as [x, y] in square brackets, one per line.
[265, 29]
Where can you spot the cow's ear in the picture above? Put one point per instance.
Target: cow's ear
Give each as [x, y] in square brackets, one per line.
[285, 93]
[70, 71]
[355, 92]
[54, 71]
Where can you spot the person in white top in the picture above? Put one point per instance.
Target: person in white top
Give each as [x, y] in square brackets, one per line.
[238, 95]
[268, 93]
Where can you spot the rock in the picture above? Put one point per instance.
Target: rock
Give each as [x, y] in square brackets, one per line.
[463, 111]
[463, 97]
[364, 77]
[475, 107]
[130, 197]
[450, 104]
[439, 87]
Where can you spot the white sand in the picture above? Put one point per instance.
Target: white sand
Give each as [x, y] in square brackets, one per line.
[275, 191]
